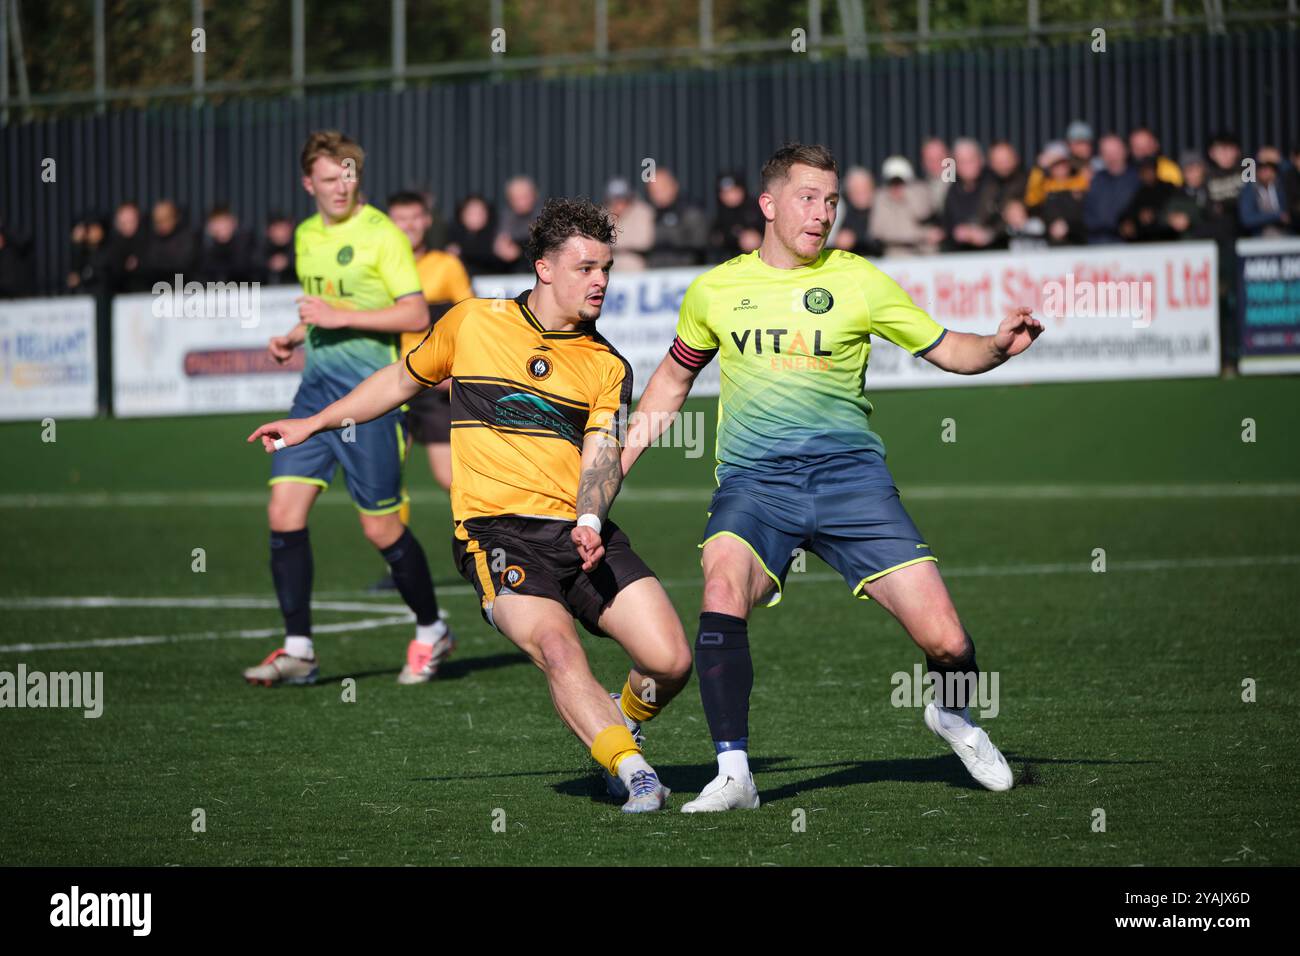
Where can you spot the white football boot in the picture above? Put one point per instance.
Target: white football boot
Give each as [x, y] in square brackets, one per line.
[725, 793]
[613, 785]
[647, 793]
[983, 760]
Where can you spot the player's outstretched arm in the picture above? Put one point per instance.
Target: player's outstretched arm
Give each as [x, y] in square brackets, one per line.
[407, 314]
[659, 405]
[602, 475]
[378, 394]
[969, 354]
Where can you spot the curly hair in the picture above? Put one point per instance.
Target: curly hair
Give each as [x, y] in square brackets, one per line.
[562, 218]
[337, 146]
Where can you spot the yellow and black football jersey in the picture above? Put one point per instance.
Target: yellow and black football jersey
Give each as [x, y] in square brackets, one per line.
[522, 401]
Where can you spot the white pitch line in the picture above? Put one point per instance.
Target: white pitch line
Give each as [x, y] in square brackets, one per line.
[694, 494]
[400, 615]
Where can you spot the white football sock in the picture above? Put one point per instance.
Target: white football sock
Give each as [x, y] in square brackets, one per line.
[431, 633]
[300, 647]
[954, 719]
[631, 764]
[734, 764]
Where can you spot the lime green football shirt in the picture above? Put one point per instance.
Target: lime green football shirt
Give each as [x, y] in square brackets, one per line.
[365, 263]
[793, 347]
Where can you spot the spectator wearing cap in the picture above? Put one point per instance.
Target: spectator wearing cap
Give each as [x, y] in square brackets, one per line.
[227, 251]
[1142, 145]
[1263, 203]
[1110, 192]
[1063, 190]
[681, 230]
[935, 163]
[1077, 147]
[852, 230]
[634, 219]
[522, 206]
[1185, 212]
[275, 256]
[900, 212]
[738, 224]
[1144, 219]
[970, 210]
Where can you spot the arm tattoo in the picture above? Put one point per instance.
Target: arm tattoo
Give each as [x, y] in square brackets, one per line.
[601, 480]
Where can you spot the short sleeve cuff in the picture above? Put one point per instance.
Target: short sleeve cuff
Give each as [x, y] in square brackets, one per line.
[932, 344]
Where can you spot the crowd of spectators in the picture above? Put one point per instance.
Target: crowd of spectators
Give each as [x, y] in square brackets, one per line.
[1079, 189]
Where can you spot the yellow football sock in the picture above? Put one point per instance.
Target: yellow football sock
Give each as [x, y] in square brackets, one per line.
[611, 745]
[405, 513]
[634, 708]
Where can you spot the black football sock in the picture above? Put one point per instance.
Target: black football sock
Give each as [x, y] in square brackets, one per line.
[291, 570]
[411, 575]
[726, 675]
[955, 684]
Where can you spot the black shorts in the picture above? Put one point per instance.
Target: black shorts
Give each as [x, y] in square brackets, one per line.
[428, 417]
[536, 556]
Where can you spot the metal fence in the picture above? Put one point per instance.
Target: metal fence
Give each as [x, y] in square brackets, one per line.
[573, 133]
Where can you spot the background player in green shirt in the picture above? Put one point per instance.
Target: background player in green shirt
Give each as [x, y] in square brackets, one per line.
[361, 292]
[798, 463]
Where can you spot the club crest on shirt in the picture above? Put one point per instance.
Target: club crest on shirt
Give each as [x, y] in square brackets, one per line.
[345, 255]
[539, 368]
[818, 301]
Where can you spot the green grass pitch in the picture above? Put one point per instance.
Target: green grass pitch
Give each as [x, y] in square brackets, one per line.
[1120, 691]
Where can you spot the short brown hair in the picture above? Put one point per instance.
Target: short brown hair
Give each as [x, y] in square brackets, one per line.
[335, 145]
[778, 167]
[561, 219]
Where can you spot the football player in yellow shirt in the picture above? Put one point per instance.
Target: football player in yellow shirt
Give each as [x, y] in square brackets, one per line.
[798, 464]
[361, 292]
[539, 402]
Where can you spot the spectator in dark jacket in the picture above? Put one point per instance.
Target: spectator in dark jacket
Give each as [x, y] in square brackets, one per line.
[1007, 172]
[522, 206]
[1291, 187]
[1063, 191]
[1262, 206]
[227, 251]
[854, 225]
[1185, 213]
[970, 209]
[1224, 183]
[126, 250]
[738, 224]
[15, 266]
[1144, 220]
[275, 257]
[473, 235]
[1110, 192]
[88, 271]
[681, 230]
[171, 249]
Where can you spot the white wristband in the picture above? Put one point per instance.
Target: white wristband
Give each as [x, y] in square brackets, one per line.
[589, 521]
[279, 443]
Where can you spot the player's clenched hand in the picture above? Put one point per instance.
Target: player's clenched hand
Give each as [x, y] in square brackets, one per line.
[1017, 332]
[318, 312]
[281, 348]
[294, 431]
[590, 548]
